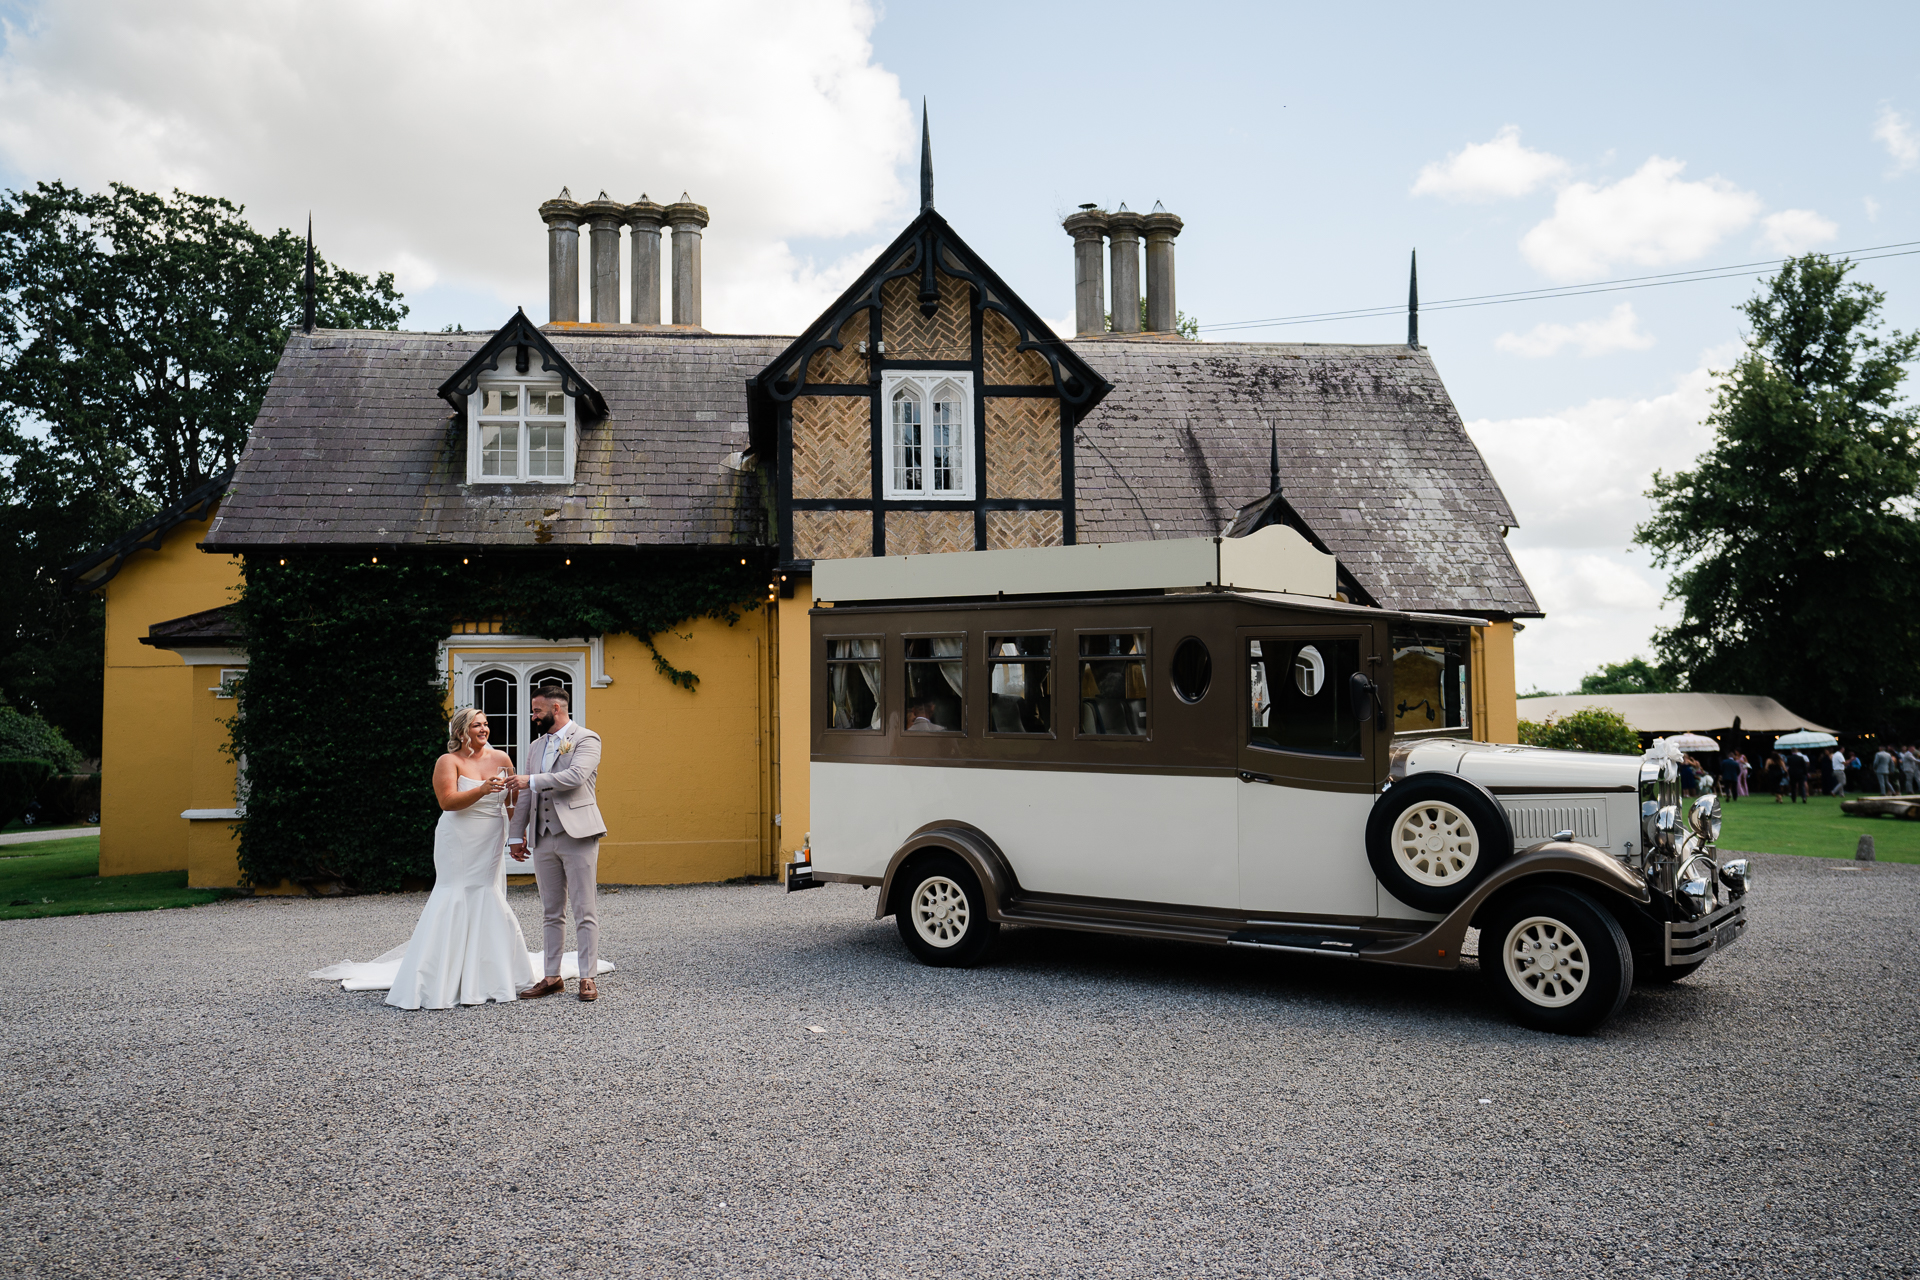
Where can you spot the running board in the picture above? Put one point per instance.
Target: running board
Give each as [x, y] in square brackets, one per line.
[1304, 944]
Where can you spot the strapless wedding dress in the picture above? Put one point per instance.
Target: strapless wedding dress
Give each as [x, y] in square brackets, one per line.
[467, 948]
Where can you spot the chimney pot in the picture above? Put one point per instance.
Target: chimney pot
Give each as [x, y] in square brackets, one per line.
[687, 220]
[645, 218]
[1162, 227]
[605, 216]
[1123, 228]
[562, 216]
[1089, 229]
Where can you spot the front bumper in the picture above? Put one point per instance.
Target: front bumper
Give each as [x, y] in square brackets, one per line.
[1695, 940]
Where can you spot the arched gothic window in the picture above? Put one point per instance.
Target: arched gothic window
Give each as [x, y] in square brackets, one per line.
[929, 435]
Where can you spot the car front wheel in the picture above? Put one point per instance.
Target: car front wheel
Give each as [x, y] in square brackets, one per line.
[942, 913]
[1558, 959]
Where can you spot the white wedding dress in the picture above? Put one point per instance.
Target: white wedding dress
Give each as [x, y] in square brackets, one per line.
[467, 948]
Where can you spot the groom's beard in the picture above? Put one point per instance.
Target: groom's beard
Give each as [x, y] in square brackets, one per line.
[543, 725]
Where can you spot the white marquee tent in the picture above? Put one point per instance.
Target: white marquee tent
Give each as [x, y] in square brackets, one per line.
[1665, 713]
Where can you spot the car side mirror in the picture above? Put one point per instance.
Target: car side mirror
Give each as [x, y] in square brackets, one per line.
[1365, 697]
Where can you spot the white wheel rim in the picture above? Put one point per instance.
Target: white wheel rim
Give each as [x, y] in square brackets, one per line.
[1435, 845]
[1546, 962]
[940, 912]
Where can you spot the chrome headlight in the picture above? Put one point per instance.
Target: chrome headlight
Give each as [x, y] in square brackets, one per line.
[1737, 875]
[1705, 818]
[1665, 828]
[1694, 883]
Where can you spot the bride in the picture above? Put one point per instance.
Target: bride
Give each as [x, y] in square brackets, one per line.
[467, 948]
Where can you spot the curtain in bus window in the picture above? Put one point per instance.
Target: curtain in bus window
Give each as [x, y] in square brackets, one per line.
[1299, 696]
[1019, 696]
[935, 681]
[854, 673]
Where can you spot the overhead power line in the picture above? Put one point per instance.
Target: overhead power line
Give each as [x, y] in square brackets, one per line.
[1905, 248]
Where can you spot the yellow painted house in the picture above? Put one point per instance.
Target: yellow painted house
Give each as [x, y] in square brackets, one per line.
[928, 409]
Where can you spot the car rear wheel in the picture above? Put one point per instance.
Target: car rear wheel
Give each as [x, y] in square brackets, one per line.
[1558, 959]
[942, 913]
[1432, 837]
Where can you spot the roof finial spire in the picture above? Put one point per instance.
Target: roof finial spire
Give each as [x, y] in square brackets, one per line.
[1413, 300]
[1273, 457]
[926, 159]
[306, 314]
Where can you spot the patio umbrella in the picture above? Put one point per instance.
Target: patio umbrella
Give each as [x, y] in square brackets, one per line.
[1694, 742]
[1806, 738]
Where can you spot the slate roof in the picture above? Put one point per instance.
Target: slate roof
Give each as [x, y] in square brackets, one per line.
[1373, 455]
[98, 569]
[354, 448]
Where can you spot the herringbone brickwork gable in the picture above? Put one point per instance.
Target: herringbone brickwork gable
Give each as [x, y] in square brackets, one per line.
[832, 535]
[1023, 447]
[846, 365]
[832, 447]
[1023, 529]
[946, 335]
[916, 533]
[1004, 366]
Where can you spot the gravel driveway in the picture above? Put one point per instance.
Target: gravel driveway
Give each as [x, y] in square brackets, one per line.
[769, 1087]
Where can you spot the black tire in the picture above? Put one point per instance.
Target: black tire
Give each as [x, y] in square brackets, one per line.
[1669, 972]
[1456, 813]
[942, 914]
[1588, 970]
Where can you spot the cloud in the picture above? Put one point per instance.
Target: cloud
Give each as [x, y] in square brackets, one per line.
[1794, 231]
[1496, 170]
[1872, 207]
[1651, 218]
[1897, 135]
[1619, 331]
[1577, 481]
[424, 141]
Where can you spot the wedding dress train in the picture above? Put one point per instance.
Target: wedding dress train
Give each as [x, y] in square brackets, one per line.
[467, 947]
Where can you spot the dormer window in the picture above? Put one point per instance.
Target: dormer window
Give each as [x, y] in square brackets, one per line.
[929, 434]
[520, 431]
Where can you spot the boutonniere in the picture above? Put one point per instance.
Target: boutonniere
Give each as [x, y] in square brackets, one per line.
[566, 746]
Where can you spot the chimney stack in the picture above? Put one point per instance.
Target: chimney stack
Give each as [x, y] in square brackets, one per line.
[1123, 227]
[562, 216]
[1162, 227]
[646, 218]
[605, 217]
[1089, 229]
[686, 219]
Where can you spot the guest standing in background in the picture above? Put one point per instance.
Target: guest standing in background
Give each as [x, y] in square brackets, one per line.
[1746, 774]
[1775, 773]
[1796, 776]
[1883, 767]
[1730, 776]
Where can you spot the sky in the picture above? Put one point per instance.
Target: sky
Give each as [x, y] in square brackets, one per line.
[1309, 149]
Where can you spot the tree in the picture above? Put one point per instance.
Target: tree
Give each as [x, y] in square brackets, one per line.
[1183, 324]
[1794, 540]
[1593, 729]
[138, 333]
[1635, 675]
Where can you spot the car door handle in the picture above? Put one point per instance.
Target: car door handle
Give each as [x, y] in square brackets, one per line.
[1246, 776]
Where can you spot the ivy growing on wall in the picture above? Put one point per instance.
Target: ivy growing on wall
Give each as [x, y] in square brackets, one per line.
[342, 712]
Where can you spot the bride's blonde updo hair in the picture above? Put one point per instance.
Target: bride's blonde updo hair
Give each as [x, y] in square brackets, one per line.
[457, 729]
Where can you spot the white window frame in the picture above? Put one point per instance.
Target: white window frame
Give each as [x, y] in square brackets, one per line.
[474, 656]
[924, 383]
[525, 384]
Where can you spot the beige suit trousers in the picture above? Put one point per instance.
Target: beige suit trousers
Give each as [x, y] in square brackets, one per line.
[567, 871]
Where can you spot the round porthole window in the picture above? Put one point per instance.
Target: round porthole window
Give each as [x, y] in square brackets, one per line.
[1192, 670]
[1309, 670]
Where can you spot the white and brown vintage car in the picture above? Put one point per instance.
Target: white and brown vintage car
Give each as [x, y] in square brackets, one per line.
[1196, 740]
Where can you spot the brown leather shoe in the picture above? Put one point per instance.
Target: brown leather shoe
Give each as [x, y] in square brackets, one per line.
[589, 991]
[544, 987]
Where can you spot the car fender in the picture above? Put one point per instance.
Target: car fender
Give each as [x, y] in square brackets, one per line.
[1563, 861]
[974, 847]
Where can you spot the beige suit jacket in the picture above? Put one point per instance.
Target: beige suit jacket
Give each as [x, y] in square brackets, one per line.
[568, 787]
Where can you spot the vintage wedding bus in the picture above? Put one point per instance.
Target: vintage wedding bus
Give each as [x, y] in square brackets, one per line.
[1197, 740]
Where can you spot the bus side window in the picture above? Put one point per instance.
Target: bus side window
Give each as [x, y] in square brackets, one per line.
[1296, 700]
[853, 676]
[1020, 684]
[1113, 685]
[936, 674]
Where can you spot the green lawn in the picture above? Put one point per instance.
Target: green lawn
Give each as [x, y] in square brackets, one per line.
[62, 878]
[1817, 829]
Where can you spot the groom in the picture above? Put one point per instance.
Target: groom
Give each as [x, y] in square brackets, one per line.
[556, 819]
